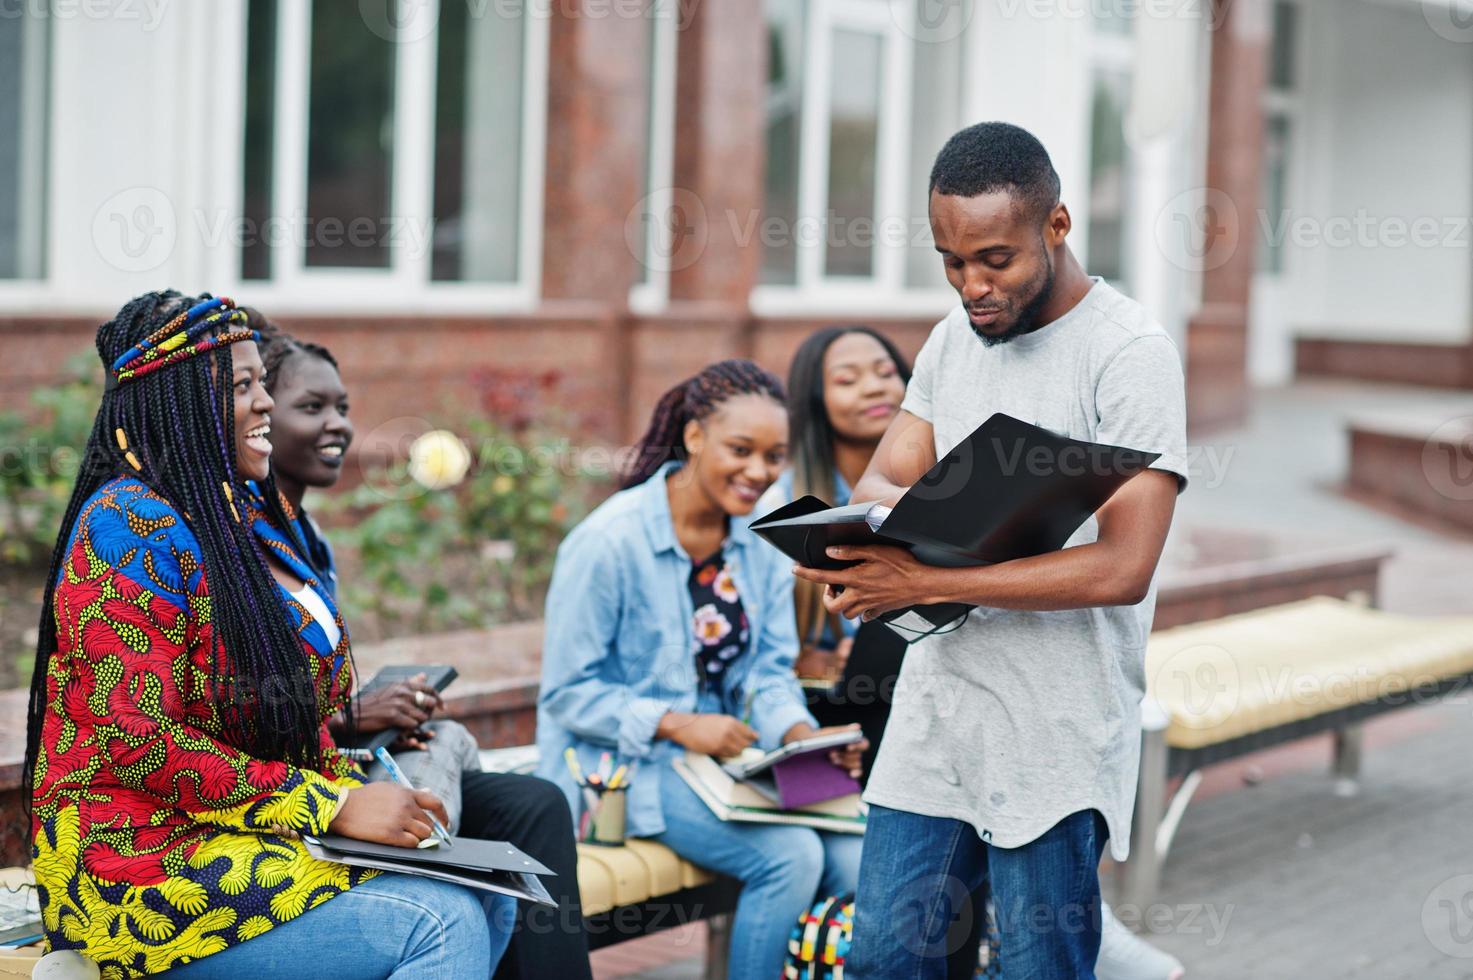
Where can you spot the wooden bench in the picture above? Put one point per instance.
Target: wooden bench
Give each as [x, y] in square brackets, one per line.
[642, 887]
[1227, 687]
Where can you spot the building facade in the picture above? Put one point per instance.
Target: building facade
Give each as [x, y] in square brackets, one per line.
[624, 190]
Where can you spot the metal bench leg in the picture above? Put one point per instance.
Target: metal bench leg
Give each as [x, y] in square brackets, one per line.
[718, 946]
[1140, 877]
[1347, 760]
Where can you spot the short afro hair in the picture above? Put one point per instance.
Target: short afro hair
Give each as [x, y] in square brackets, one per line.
[995, 156]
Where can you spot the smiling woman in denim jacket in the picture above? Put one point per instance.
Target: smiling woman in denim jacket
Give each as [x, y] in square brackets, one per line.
[670, 627]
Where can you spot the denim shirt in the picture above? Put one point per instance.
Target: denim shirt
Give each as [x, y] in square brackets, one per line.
[619, 645]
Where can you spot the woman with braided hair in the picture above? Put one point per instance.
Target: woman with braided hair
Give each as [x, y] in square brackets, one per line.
[176, 744]
[670, 627]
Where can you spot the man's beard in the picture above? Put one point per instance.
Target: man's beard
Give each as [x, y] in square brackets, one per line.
[1027, 321]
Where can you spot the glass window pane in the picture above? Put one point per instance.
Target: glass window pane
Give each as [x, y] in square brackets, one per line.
[935, 115]
[854, 125]
[1272, 214]
[24, 43]
[350, 143]
[785, 34]
[1281, 53]
[1109, 176]
[260, 121]
[1114, 18]
[478, 142]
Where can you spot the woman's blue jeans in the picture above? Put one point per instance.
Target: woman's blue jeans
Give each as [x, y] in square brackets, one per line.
[394, 926]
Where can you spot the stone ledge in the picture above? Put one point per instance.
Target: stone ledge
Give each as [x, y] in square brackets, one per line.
[1414, 463]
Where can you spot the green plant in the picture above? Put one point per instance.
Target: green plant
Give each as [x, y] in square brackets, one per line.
[40, 452]
[470, 555]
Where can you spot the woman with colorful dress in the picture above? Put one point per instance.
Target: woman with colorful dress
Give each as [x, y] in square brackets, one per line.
[670, 628]
[176, 746]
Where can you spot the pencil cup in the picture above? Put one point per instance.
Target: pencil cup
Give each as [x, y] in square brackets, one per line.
[606, 823]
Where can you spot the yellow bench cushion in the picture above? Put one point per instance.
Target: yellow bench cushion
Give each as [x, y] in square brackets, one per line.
[638, 871]
[1259, 670]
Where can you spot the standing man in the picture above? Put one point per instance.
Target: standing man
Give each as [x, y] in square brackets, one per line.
[1012, 750]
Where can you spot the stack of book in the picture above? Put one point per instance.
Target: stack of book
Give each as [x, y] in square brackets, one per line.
[795, 784]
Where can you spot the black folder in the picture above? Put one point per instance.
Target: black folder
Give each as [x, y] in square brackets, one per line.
[1009, 490]
[490, 865]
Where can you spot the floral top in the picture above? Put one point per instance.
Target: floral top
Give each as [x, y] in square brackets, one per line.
[154, 840]
[720, 623]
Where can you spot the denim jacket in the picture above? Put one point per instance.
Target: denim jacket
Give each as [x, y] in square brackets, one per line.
[619, 646]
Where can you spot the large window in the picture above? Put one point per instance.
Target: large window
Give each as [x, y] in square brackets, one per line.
[393, 144]
[1111, 170]
[23, 57]
[861, 94]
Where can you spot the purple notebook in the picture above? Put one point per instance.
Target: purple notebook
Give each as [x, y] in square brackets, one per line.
[811, 778]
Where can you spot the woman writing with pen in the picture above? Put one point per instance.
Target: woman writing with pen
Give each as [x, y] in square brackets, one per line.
[668, 621]
[177, 748]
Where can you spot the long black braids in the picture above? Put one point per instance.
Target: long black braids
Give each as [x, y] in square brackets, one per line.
[174, 430]
[696, 398]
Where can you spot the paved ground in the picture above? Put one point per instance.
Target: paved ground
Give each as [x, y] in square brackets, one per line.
[1287, 880]
[1283, 879]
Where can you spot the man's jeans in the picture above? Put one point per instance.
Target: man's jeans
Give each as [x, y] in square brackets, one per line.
[921, 889]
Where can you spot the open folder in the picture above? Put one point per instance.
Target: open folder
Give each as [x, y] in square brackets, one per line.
[799, 773]
[490, 865]
[730, 798]
[1009, 490]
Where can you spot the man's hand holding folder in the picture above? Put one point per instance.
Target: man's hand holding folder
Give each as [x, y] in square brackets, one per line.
[983, 526]
[886, 578]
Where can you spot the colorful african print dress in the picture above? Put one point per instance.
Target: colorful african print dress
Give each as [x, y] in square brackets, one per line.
[155, 841]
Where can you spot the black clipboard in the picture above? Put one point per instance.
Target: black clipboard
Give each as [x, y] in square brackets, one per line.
[1009, 490]
[490, 865]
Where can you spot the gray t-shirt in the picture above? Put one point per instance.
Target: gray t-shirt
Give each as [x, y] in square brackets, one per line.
[1017, 719]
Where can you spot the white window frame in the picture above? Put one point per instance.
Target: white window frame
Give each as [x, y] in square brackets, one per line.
[653, 295]
[406, 284]
[885, 291]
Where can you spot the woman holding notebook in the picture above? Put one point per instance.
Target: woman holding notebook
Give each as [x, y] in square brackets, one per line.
[670, 628]
[311, 433]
